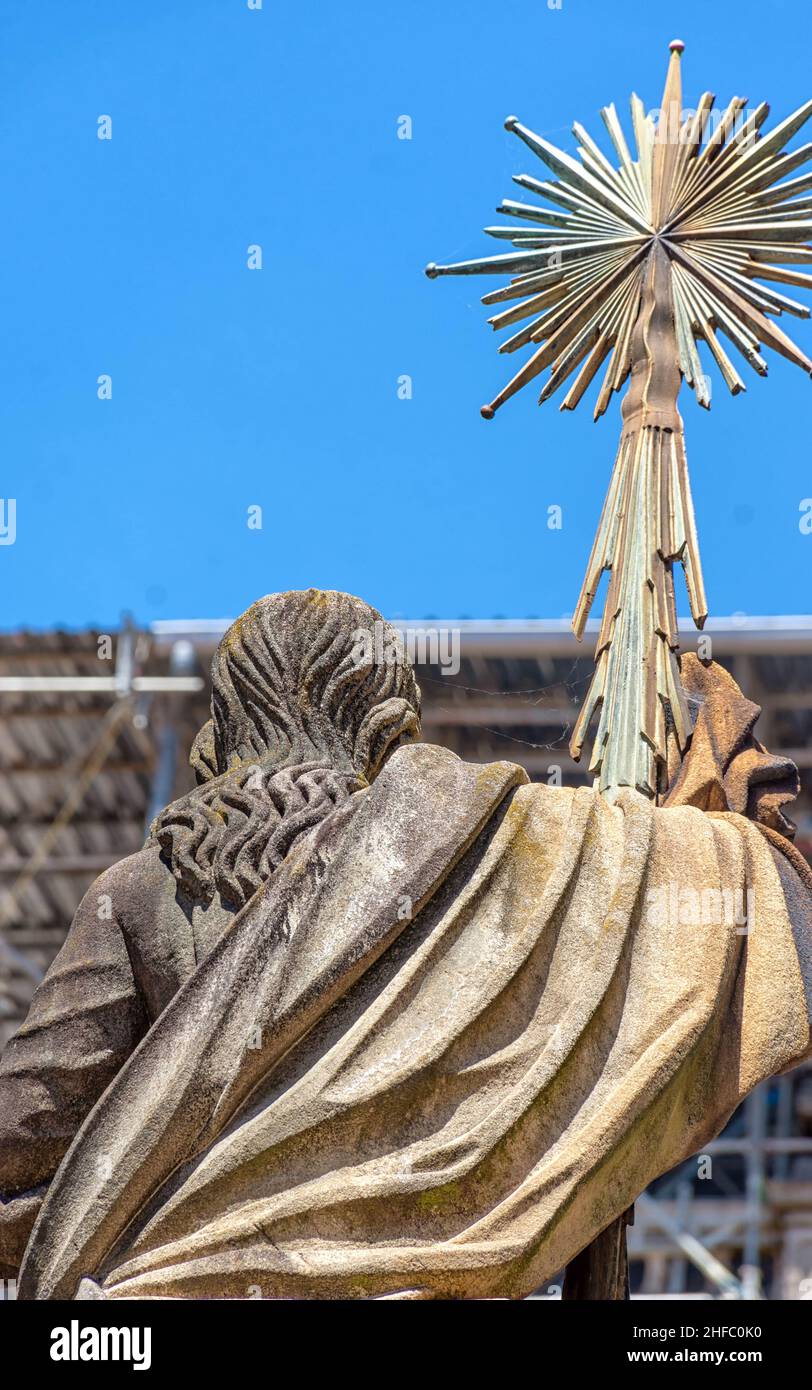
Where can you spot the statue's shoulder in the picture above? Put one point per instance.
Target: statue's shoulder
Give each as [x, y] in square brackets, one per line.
[140, 894]
[423, 769]
[129, 879]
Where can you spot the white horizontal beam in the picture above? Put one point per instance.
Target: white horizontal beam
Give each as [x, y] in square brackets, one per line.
[547, 637]
[100, 684]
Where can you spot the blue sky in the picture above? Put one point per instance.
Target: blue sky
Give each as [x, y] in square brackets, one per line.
[234, 388]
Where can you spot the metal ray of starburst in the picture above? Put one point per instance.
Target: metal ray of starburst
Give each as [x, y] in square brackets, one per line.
[638, 263]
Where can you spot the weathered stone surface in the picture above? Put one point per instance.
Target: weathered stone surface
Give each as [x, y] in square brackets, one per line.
[417, 1034]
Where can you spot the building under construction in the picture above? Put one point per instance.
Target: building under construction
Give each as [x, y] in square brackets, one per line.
[95, 730]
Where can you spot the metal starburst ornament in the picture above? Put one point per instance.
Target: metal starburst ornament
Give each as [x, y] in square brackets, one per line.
[647, 259]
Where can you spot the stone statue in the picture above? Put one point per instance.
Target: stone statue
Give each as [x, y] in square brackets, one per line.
[364, 1021]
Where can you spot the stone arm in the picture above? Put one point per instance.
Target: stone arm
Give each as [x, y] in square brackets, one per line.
[86, 1017]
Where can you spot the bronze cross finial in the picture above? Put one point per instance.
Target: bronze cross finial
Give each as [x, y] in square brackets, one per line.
[647, 259]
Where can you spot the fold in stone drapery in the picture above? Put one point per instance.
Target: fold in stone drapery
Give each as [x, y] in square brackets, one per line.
[296, 948]
[448, 1044]
[728, 769]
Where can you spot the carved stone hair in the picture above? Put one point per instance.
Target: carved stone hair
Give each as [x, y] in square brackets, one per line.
[303, 715]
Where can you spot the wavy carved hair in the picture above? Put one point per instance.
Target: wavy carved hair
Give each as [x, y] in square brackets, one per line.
[303, 715]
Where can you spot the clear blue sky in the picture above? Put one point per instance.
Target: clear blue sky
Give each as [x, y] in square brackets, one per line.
[278, 388]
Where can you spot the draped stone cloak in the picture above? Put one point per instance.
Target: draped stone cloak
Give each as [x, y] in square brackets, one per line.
[454, 1036]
